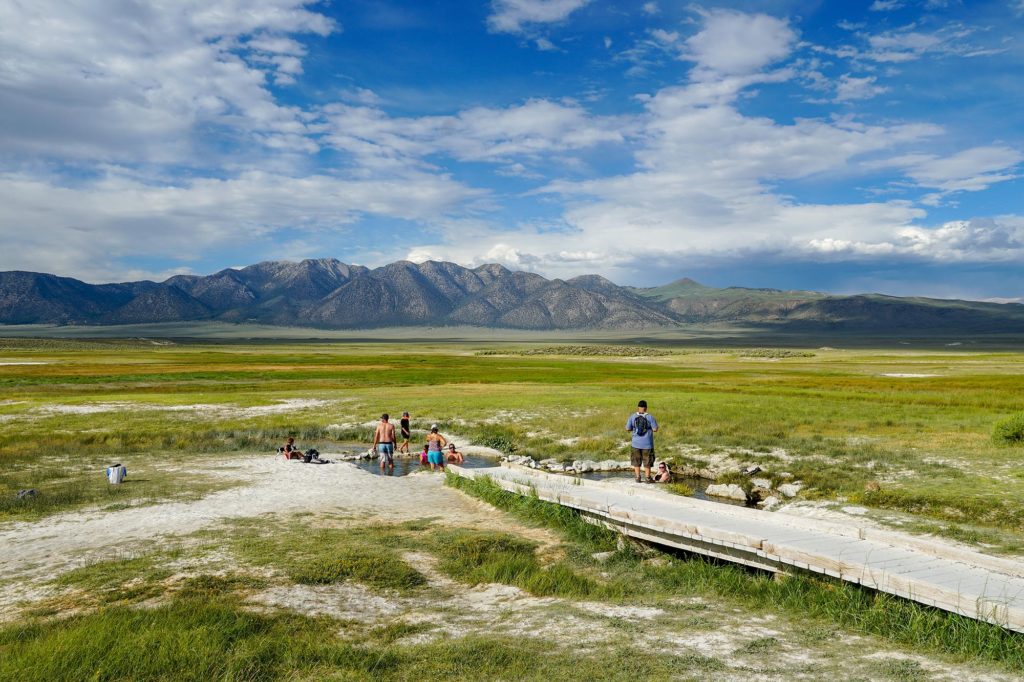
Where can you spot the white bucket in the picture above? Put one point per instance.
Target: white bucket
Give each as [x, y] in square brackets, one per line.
[116, 473]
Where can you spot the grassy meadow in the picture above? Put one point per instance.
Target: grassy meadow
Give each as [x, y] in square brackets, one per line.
[905, 433]
[916, 425]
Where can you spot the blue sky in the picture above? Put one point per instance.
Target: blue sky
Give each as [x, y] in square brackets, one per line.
[847, 147]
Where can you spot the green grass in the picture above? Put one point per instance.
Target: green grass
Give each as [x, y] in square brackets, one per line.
[1009, 431]
[478, 557]
[68, 483]
[319, 556]
[841, 421]
[815, 601]
[214, 639]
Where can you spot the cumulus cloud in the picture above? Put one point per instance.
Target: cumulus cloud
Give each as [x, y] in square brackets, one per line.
[138, 81]
[850, 88]
[736, 43]
[991, 240]
[97, 224]
[515, 16]
[885, 5]
[703, 189]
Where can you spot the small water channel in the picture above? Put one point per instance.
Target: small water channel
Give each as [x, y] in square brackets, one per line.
[407, 465]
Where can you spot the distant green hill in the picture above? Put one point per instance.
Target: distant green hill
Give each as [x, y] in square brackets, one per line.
[695, 303]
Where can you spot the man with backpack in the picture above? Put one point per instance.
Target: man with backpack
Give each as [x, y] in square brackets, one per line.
[643, 426]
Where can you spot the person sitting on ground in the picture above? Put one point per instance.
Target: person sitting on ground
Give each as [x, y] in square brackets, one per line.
[454, 456]
[435, 448]
[290, 451]
[663, 475]
[423, 455]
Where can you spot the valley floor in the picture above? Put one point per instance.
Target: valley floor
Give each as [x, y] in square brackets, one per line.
[177, 543]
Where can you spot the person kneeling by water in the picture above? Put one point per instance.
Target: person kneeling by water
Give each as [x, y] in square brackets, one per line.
[454, 456]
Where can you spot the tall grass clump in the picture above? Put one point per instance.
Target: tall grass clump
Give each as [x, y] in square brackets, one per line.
[502, 438]
[1009, 431]
[479, 557]
[594, 538]
[320, 556]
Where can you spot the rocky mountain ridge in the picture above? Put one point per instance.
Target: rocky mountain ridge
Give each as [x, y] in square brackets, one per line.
[327, 293]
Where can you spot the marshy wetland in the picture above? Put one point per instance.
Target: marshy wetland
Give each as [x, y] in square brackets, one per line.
[230, 563]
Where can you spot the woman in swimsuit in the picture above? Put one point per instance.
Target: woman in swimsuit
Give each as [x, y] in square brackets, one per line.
[435, 448]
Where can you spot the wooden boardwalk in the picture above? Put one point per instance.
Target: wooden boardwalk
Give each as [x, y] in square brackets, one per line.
[954, 579]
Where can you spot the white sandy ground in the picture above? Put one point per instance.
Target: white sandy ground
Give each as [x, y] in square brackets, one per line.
[221, 410]
[903, 375]
[33, 553]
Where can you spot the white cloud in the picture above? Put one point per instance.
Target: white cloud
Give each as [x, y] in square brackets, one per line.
[909, 43]
[703, 190]
[98, 223]
[735, 43]
[990, 240]
[514, 16]
[970, 170]
[477, 134]
[885, 5]
[851, 88]
[139, 81]
[651, 8]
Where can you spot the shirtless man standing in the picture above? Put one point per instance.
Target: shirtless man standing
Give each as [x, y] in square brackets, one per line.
[384, 442]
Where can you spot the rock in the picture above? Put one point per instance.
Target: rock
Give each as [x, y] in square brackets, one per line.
[761, 483]
[727, 490]
[752, 469]
[27, 493]
[608, 465]
[557, 467]
[758, 494]
[790, 489]
[584, 466]
[769, 503]
[602, 556]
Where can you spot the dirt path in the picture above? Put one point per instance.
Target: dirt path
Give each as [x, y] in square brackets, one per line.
[273, 486]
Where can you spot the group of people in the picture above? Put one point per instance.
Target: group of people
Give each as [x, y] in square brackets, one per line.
[436, 451]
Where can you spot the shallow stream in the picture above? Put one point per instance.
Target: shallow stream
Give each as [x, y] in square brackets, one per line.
[405, 465]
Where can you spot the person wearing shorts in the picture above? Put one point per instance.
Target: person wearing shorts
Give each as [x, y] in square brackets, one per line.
[643, 425]
[435, 448]
[384, 442]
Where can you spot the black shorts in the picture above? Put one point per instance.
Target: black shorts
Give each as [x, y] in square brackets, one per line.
[641, 458]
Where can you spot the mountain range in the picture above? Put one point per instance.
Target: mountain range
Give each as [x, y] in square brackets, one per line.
[327, 293]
